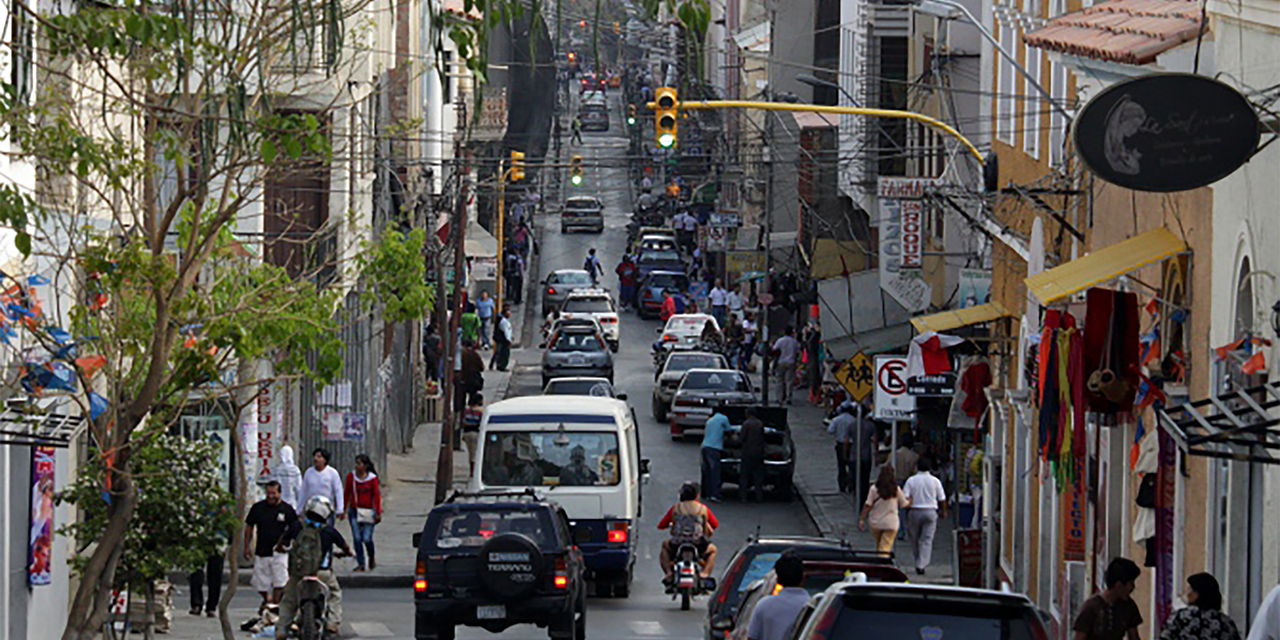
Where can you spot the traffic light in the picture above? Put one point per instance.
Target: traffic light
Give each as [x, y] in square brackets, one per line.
[575, 170]
[582, 23]
[617, 28]
[573, 57]
[665, 123]
[631, 115]
[517, 166]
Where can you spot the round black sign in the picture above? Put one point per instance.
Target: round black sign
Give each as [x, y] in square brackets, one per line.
[1166, 132]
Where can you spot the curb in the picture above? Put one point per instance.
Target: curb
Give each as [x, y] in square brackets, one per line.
[353, 581]
[815, 512]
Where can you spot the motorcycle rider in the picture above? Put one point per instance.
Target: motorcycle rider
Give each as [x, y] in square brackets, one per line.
[317, 511]
[691, 522]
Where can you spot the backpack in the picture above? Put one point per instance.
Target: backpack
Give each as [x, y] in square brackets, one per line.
[687, 527]
[306, 555]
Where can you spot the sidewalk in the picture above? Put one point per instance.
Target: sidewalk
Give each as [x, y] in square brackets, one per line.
[834, 513]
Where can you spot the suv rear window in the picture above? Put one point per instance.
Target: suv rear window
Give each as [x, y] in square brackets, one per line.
[669, 281]
[570, 277]
[582, 203]
[550, 458]
[587, 305]
[659, 256]
[577, 342]
[715, 381]
[470, 529]
[926, 615]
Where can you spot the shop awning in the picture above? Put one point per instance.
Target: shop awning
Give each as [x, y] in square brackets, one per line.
[1237, 425]
[1104, 264]
[947, 320]
[480, 243]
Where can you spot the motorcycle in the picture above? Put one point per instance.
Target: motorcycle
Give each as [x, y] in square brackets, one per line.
[312, 614]
[687, 584]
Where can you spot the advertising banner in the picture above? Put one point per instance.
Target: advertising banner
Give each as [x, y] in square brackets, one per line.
[40, 550]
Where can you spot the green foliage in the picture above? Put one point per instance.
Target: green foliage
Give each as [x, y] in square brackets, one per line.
[298, 134]
[17, 210]
[395, 269]
[184, 514]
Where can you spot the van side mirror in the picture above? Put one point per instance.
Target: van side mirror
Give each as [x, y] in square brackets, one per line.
[621, 396]
[644, 466]
[417, 539]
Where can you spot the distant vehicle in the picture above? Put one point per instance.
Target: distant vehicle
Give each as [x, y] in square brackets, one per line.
[615, 81]
[685, 329]
[755, 559]
[702, 392]
[582, 386]
[818, 577]
[580, 321]
[652, 291]
[594, 303]
[557, 286]
[668, 378]
[576, 351]
[595, 120]
[656, 243]
[655, 260]
[497, 560]
[850, 608]
[582, 212]
[594, 101]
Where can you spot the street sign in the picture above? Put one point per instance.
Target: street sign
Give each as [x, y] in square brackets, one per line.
[938, 385]
[857, 376]
[892, 400]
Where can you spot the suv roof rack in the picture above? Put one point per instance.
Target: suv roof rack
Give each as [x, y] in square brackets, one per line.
[490, 497]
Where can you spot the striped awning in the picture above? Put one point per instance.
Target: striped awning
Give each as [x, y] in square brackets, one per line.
[1105, 264]
[956, 318]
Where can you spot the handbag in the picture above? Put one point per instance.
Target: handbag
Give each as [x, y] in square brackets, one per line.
[1147, 491]
[365, 516]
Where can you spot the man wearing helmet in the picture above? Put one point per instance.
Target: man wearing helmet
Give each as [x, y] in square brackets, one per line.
[317, 512]
[689, 521]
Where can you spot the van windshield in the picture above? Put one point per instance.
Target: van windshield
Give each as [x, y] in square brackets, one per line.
[550, 458]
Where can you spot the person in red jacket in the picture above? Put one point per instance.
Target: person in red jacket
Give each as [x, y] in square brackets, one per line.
[364, 500]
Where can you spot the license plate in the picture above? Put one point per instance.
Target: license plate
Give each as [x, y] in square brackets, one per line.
[577, 361]
[491, 612]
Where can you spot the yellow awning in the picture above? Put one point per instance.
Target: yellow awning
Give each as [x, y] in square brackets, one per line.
[947, 320]
[1104, 264]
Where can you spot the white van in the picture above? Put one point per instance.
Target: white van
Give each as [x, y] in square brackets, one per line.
[583, 453]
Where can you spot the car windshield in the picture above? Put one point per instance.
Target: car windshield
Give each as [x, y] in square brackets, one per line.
[471, 528]
[571, 277]
[564, 387]
[577, 342]
[687, 325]
[669, 281]
[913, 615]
[715, 381]
[659, 256]
[581, 203]
[550, 458]
[684, 362]
[587, 305]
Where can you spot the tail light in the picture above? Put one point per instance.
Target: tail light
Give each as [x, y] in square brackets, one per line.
[729, 577]
[666, 337]
[648, 294]
[486, 533]
[777, 588]
[688, 402]
[561, 578]
[420, 577]
[618, 531]
[551, 291]
[823, 627]
[608, 321]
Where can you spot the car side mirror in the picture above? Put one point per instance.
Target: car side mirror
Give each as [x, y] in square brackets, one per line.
[658, 330]
[417, 539]
[621, 396]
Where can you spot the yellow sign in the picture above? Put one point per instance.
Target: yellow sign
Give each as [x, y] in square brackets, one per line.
[857, 375]
[743, 261]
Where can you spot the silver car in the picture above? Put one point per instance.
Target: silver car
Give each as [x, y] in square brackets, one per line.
[702, 391]
[582, 212]
[666, 380]
[559, 284]
[577, 352]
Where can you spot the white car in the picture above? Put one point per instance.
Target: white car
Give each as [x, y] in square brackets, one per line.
[594, 303]
[685, 329]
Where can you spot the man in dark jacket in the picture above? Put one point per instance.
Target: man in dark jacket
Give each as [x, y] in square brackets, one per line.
[751, 472]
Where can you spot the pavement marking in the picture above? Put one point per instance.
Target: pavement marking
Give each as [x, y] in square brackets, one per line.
[371, 630]
[647, 627]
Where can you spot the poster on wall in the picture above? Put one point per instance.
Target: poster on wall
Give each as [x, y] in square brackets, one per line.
[40, 551]
[353, 425]
[334, 425]
[975, 287]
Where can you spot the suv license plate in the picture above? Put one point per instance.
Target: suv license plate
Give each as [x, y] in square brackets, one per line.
[491, 612]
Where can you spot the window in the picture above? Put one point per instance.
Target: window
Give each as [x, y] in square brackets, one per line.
[449, 71]
[1057, 123]
[471, 528]
[551, 458]
[587, 305]
[577, 342]
[1004, 88]
[1031, 108]
[20, 66]
[715, 381]
[678, 362]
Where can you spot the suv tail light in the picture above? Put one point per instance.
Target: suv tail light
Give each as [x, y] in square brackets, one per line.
[420, 577]
[618, 531]
[608, 321]
[561, 578]
[729, 577]
[822, 628]
[551, 291]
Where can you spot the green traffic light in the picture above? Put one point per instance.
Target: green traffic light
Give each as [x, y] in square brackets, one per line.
[666, 140]
[576, 180]
[631, 121]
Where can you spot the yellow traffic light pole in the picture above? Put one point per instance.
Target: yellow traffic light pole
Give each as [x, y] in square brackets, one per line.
[515, 173]
[817, 108]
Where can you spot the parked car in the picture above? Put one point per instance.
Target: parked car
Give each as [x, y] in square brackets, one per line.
[652, 291]
[704, 391]
[668, 378]
[818, 577]
[656, 260]
[595, 120]
[858, 606]
[755, 559]
[657, 243]
[557, 286]
[582, 386]
[576, 351]
[497, 560]
[779, 451]
[582, 212]
[594, 303]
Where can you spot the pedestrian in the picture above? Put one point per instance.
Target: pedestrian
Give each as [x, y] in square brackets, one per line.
[841, 427]
[750, 333]
[751, 473]
[880, 511]
[775, 614]
[432, 352]
[592, 266]
[484, 309]
[646, 183]
[1112, 614]
[513, 276]
[813, 363]
[734, 300]
[670, 307]
[719, 302]
[270, 518]
[905, 458]
[323, 480]
[686, 227]
[627, 272]
[363, 494]
[787, 351]
[733, 340]
[471, 428]
[1202, 618]
[577, 130]
[290, 477]
[502, 337]
[210, 574]
[712, 448]
[928, 501]
[862, 438]
[469, 324]
[470, 376]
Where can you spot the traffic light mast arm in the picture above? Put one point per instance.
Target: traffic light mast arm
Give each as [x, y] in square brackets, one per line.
[817, 108]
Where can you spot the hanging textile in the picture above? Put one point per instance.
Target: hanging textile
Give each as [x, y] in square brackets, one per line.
[1070, 464]
[1111, 351]
[1050, 396]
[927, 354]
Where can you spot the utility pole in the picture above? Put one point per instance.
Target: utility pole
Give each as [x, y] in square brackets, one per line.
[763, 323]
[457, 238]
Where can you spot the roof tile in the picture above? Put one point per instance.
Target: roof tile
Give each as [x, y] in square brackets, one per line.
[1127, 31]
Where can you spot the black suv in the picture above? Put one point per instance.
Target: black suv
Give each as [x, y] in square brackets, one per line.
[494, 560]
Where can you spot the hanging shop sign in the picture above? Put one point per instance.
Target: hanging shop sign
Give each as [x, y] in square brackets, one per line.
[1166, 132]
[906, 187]
[904, 284]
[892, 400]
[912, 234]
[968, 546]
[935, 385]
[40, 549]
[725, 219]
